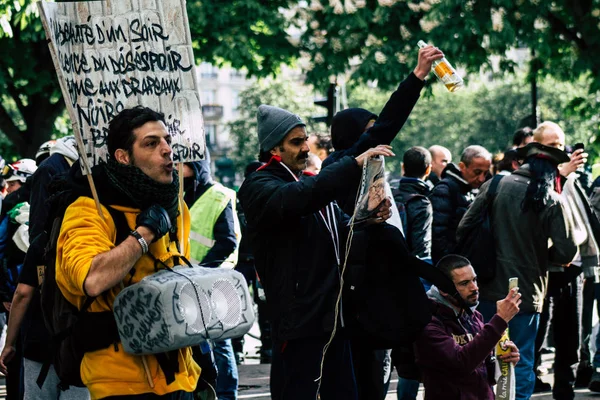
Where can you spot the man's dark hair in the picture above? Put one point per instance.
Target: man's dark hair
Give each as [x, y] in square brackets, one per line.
[416, 161]
[264, 156]
[450, 262]
[521, 134]
[505, 164]
[120, 129]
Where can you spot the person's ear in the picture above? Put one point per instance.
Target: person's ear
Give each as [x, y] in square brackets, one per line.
[276, 151]
[122, 156]
[428, 171]
[462, 166]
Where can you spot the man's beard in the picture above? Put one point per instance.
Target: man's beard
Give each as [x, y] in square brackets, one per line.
[472, 300]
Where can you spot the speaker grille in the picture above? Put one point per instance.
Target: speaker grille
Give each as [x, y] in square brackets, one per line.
[227, 303]
[190, 310]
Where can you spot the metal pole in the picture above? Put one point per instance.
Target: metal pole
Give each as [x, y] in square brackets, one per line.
[533, 73]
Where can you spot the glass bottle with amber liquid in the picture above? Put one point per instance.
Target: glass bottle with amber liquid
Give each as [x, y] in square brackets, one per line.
[445, 72]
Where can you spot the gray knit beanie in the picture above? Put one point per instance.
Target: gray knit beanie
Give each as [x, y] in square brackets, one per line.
[273, 124]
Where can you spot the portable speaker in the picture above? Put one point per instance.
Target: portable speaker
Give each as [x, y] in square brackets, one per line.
[183, 307]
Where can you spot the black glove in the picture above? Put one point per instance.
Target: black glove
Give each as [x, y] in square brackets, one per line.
[156, 219]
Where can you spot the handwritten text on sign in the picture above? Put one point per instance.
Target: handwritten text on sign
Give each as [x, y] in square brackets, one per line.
[129, 53]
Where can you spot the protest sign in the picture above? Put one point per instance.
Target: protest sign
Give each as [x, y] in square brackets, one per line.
[112, 55]
[373, 190]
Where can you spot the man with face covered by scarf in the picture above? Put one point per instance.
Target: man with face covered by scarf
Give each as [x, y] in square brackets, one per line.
[137, 180]
[353, 131]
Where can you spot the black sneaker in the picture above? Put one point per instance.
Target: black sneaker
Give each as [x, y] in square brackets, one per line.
[584, 376]
[595, 382]
[266, 356]
[541, 386]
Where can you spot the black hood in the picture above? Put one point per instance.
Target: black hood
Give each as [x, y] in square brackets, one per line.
[347, 126]
[413, 186]
[453, 172]
[195, 186]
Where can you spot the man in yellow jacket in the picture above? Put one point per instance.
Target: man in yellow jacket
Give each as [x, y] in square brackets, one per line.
[138, 180]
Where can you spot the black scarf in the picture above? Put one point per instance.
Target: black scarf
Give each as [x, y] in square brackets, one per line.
[142, 190]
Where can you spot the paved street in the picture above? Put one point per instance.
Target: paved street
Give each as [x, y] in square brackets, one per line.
[254, 384]
[254, 377]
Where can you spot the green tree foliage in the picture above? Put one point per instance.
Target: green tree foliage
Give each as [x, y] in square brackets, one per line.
[377, 39]
[281, 93]
[248, 34]
[30, 98]
[486, 114]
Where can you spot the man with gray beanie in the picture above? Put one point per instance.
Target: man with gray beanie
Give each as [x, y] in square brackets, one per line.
[298, 237]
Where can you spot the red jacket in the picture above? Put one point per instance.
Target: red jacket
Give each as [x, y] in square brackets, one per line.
[452, 351]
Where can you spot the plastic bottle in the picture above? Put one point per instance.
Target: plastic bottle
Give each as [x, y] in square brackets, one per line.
[445, 72]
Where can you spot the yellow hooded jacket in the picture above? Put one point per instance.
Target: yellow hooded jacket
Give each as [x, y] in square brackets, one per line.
[83, 235]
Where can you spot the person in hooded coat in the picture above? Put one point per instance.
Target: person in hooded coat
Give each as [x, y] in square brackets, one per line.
[353, 131]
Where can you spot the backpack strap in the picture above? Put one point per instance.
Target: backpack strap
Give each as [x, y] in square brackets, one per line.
[411, 197]
[121, 225]
[169, 364]
[494, 185]
[491, 193]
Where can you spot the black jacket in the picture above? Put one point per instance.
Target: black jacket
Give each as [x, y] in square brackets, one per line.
[293, 250]
[412, 193]
[450, 199]
[386, 127]
[223, 231]
[37, 338]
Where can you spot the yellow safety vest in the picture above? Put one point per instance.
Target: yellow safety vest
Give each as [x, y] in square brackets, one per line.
[204, 214]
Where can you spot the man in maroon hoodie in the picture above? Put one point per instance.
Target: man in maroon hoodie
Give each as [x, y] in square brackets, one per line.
[455, 347]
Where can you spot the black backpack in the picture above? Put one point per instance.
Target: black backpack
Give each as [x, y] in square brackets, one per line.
[73, 332]
[402, 208]
[477, 243]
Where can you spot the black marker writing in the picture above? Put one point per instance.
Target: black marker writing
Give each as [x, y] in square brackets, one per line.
[146, 33]
[151, 86]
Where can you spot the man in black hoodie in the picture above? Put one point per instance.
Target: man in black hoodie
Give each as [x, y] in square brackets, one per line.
[353, 131]
[452, 196]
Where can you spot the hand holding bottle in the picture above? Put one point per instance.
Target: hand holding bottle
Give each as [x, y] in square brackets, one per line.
[444, 71]
[427, 55]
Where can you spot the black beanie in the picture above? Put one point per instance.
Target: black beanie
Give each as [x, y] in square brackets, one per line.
[347, 126]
